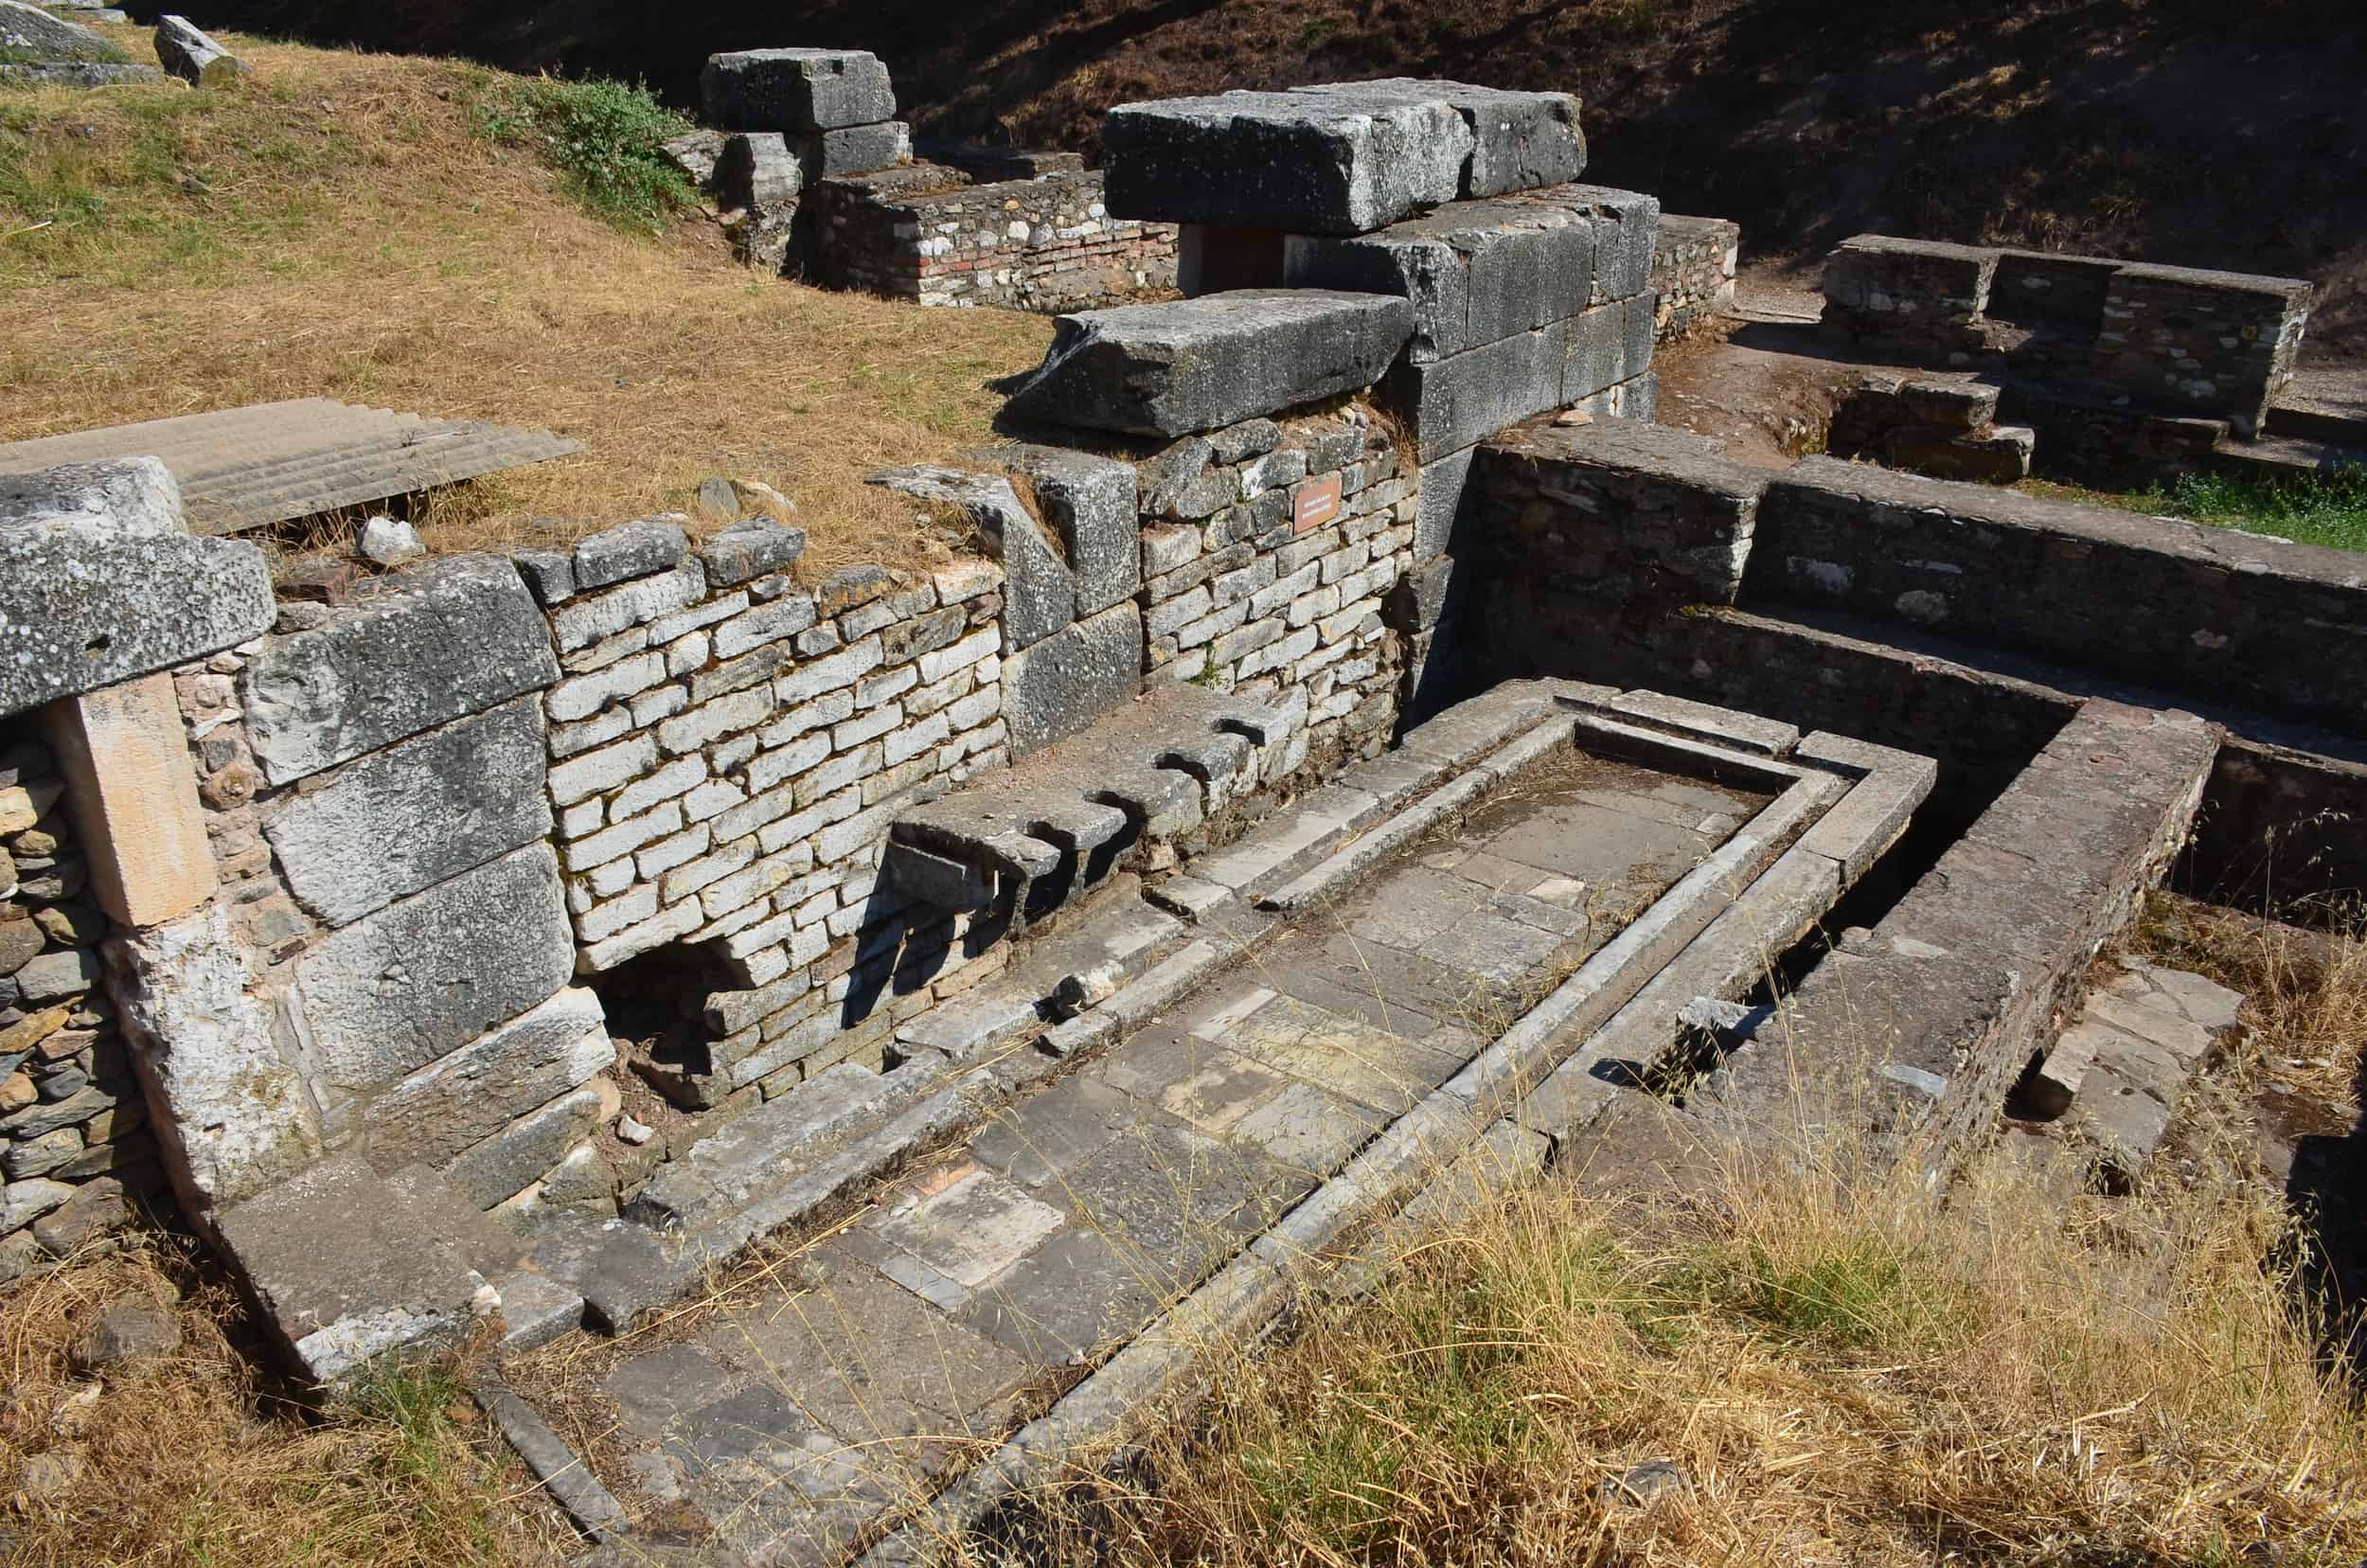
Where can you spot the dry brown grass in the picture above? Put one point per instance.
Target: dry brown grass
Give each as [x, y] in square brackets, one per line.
[339, 231]
[2307, 988]
[195, 1458]
[1847, 1370]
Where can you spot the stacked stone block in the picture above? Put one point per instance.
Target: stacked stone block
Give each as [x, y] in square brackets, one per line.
[727, 753]
[792, 119]
[1044, 242]
[835, 107]
[75, 1150]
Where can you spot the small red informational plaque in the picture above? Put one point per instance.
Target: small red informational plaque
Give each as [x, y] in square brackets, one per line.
[1315, 503]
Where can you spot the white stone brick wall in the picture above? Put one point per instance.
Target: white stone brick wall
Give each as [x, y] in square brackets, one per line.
[1252, 596]
[725, 766]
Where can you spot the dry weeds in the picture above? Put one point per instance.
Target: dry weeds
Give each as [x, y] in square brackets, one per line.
[339, 231]
[1846, 1369]
[2307, 989]
[198, 1458]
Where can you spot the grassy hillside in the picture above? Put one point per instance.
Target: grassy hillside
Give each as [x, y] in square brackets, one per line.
[2210, 134]
[397, 232]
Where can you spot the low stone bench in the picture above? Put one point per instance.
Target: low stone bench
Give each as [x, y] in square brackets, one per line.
[1041, 833]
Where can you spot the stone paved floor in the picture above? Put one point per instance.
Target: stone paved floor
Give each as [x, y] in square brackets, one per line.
[987, 1280]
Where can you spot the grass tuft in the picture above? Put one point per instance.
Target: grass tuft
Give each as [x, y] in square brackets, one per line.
[2319, 508]
[603, 137]
[2326, 509]
[1845, 1363]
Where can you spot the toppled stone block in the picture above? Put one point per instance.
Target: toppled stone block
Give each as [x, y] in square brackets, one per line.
[196, 59]
[796, 89]
[401, 988]
[95, 588]
[1199, 365]
[348, 1266]
[1303, 164]
[405, 818]
[29, 32]
[1067, 681]
[1040, 596]
[455, 637]
[1519, 140]
[1474, 272]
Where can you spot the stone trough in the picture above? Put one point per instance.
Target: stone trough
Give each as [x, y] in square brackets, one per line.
[1222, 1075]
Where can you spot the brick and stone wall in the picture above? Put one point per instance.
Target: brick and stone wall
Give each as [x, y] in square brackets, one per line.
[75, 1146]
[2178, 340]
[389, 918]
[1040, 243]
[1693, 275]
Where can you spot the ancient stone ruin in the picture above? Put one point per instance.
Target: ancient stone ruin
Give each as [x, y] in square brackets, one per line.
[2118, 371]
[1364, 745]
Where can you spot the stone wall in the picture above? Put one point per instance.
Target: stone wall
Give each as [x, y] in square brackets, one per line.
[2178, 340]
[2225, 615]
[1693, 275]
[728, 751]
[390, 916]
[1041, 243]
[1576, 520]
[1269, 551]
[74, 1141]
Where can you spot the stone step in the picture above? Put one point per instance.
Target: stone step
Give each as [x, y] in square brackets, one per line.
[724, 1172]
[350, 1265]
[2117, 1075]
[2279, 456]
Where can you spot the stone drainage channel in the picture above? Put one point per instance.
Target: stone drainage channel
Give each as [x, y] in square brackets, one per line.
[1460, 953]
